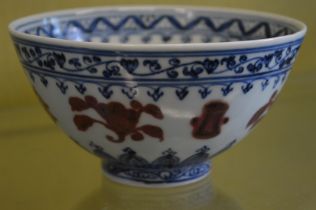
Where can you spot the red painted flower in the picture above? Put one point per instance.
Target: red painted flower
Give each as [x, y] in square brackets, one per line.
[117, 118]
[209, 123]
[261, 112]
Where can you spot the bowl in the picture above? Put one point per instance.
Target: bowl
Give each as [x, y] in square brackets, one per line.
[157, 91]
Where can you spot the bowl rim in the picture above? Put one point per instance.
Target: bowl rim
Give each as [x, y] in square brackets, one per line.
[299, 34]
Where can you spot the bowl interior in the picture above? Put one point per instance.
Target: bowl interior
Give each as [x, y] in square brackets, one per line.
[156, 26]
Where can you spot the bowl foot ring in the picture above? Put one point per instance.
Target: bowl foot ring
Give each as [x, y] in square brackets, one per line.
[156, 177]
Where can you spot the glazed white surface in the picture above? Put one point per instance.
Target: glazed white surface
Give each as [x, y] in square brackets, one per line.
[246, 76]
[175, 124]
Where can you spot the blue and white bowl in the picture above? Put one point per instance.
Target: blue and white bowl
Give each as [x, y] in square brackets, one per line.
[156, 92]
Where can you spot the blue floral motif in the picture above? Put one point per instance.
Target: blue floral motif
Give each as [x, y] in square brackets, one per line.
[204, 92]
[227, 89]
[182, 92]
[43, 80]
[130, 92]
[276, 81]
[246, 88]
[62, 86]
[264, 84]
[167, 168]
[210, 65]
[111, 69]
[106, 91]
[130, 65]
[157, 72]
[153, 65]
[81, 88]
[155, 93]
[120, 68]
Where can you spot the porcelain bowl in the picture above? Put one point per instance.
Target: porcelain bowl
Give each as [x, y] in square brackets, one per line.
[156, 92]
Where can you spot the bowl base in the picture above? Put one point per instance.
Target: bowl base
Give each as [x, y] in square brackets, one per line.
[156, 177]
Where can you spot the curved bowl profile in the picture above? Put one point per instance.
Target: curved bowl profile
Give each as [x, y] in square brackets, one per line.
[157, 91]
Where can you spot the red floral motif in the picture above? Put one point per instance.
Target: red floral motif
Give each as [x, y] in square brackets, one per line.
[262, 111]
[209, 123]
[117, 118]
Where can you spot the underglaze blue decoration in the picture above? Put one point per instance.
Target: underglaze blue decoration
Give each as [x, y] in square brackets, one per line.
[155, 93]
[203, 72]
[106, 91]
[81, 88]
[264, 84]
[159, 90]
[42, 78]
[227, 89]
[130, 92]
[166, 168]
[204, 92]
[246, 88]
[71, 63]
[91, 26]
[61, 85]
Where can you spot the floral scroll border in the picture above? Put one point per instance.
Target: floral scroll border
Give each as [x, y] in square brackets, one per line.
[271, 68]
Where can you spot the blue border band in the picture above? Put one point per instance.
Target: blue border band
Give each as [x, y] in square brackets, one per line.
[152, 82]
[156, 53]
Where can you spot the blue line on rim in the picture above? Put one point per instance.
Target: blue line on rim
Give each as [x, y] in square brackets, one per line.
[155, 53]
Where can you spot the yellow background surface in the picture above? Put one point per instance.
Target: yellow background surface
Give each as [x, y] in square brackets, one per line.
[273, 169]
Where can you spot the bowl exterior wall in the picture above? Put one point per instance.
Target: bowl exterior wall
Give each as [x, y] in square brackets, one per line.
[151, 102]
[156, 116]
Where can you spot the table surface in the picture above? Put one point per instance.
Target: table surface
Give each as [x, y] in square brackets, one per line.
[273, 168]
